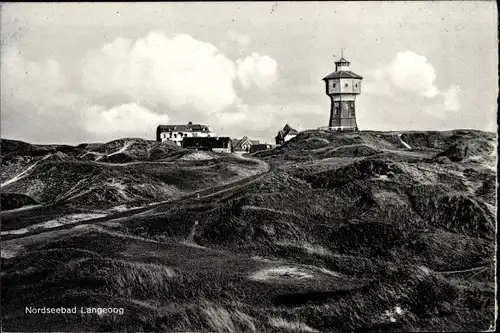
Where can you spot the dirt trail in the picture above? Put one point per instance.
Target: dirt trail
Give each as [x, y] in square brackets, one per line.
[24, 173]
[119, 151]
[465, 270]
[403, 142]
[102, 155]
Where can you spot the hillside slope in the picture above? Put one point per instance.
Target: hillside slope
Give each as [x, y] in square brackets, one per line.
[114, 173]
[366, 231]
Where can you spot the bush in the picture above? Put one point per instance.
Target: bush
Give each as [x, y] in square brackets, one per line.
[15, 200]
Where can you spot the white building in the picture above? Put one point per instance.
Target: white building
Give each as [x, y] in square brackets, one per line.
[177, 133]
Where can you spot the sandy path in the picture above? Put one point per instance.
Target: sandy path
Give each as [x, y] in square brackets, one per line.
[24, 173]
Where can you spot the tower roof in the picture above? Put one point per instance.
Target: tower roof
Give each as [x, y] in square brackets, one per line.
[342, 60]
[343, 75]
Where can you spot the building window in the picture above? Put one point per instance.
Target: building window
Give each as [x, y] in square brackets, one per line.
[346, 85]
[336, 111]
[334, 85]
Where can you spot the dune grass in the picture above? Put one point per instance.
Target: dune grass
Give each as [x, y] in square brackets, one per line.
[365, 234]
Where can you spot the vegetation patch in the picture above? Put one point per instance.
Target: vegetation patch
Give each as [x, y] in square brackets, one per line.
[348, 231]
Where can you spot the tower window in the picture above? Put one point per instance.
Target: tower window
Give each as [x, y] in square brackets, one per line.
[351, 109]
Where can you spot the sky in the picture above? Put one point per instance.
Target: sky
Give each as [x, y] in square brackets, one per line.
[95, 72]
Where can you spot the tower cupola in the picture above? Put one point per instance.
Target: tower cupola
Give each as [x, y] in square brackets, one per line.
[342, 65]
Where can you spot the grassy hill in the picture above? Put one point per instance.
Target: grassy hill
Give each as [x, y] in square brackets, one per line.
[119, 172]
[377, 231]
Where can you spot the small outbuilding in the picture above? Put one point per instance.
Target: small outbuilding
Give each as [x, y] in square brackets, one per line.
[217, 144]
[259, 147]
[243, 144]
[286, 134]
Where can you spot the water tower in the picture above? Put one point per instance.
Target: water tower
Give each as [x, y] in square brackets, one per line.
[342, 86]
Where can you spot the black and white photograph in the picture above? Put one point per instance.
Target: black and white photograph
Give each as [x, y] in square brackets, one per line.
[261, 167]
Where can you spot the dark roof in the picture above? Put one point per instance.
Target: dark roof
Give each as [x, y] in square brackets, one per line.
[196, 127]
[238, 142]
[287, 130]
[342, 60]
[343, 75]
[183, 128]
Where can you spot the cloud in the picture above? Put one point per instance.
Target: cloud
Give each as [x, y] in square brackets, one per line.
[235, 43]
[35, 101]
[408, 72]
[175, 70]
[122, 120]
[238, 38]
[255, 121]
[40, 86]
[412, 73]
[190, 76]
[451, 98]
[450, 103]
[257, 70]
[262, 121]
[127, 87]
